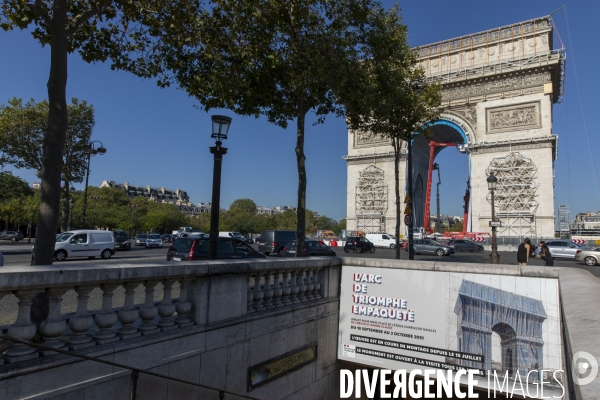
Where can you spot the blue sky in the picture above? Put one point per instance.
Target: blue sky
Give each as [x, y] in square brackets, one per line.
[156, 137]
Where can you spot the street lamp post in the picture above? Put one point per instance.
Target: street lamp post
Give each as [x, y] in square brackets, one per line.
[492, 181]
[220, 128]
[92, 151]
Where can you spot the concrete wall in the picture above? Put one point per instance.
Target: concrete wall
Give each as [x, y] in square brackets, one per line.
[218, 357]
[227, 336]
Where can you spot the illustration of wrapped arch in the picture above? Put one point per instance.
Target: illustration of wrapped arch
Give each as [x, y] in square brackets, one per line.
[516, 194]
[371, 200]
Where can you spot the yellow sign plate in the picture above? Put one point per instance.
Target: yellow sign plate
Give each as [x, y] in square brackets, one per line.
[407, 210]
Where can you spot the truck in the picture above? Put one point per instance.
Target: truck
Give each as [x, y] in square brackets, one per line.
[326, 234]
[348, 233]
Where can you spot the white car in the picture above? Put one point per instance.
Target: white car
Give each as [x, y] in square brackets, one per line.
[154, 240]
[84, 243]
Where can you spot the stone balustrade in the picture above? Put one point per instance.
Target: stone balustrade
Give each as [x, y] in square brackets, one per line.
[209, 293]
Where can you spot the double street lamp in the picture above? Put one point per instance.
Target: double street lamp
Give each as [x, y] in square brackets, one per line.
[220, 128]
[492, 182]
[92, 151]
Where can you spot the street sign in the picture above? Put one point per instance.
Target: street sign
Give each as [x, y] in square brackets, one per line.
[495, 224]
[407, 199]
[408, 220]
[408, 210]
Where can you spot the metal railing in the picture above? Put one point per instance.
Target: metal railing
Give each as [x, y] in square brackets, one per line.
[135, 372]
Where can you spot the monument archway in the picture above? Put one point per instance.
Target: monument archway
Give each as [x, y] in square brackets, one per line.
[498, 91]
[517, 319]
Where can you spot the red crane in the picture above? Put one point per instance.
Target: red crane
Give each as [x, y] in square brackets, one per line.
[458, 235]
[432, 146]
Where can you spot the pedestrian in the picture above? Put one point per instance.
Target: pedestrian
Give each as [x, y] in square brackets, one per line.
[523, 252]
[545, 254]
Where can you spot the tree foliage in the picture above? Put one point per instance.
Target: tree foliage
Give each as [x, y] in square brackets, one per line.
[22, 128]
[12, 187]
[246, 205]
[395, 102]
[280, 59]
[98, 30]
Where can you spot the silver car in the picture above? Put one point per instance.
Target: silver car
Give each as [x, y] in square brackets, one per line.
[427, 246]
[154, 240]
[589, 257]
[563, 248]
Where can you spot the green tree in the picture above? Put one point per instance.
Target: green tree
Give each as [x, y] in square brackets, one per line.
[325, 223]
[393, 102]
[246, 205]
[22, 128]
[97, 30]
[287, 221]
[13, 192]
[340, 226]
[163, 217]
[457, 227]
[12, 187]
[274, 58]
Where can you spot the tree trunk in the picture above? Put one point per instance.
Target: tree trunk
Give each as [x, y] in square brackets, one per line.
[301, 212]
[396, 144]
[64, 225]
[54, 139]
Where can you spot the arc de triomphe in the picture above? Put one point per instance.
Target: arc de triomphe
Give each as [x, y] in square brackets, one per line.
[499, 88]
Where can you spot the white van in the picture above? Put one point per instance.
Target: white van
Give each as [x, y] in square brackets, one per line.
[235, 235]
[383, 240]
[84, 243]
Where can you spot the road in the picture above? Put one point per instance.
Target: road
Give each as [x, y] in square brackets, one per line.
[8, 305]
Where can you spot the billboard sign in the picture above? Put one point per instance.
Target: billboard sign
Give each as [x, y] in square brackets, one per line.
[563, 218]
[411, 319]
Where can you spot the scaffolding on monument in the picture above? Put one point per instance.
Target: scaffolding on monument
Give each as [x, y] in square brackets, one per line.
[371, 200]
[515, 196]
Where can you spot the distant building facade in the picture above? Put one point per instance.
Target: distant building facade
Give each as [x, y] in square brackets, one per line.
[177, 197]
[273, 210]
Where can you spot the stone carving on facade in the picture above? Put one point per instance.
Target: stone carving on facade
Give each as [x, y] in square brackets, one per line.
[371, 191]
[369, 138]
[467, 112]
[517, 117]
[496, 86]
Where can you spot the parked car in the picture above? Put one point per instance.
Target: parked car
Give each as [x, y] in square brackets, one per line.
[247, 239]
[463, 245]
[312, 247]
[13, 236]
[84, 243]
[589, 257]
[383, 240]
[563, 248]
[195, 248]
[358, 244]
[274, 241]
[428, 246]
[122, 241]
[140, 239]
[154, 240]
[235, 235]
[167, 237]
